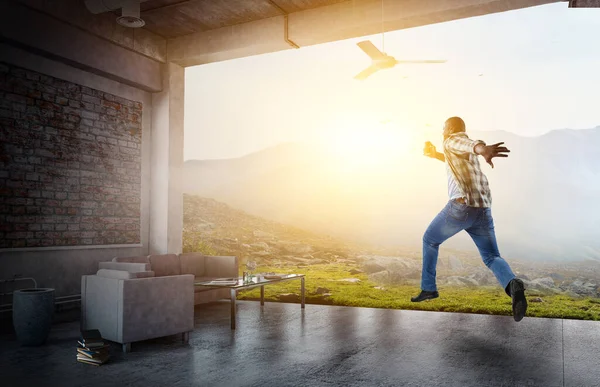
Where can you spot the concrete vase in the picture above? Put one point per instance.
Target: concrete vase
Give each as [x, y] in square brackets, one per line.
[33, 310]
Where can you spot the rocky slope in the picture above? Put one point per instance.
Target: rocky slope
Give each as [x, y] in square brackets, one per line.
[216, 228]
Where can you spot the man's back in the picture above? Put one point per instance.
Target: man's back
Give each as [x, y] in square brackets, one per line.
[459, 151]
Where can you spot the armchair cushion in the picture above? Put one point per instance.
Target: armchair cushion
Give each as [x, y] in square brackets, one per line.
[139, 259]
[192, 263]
[165, 264]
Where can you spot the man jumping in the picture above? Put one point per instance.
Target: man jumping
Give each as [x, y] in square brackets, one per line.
[468, 209]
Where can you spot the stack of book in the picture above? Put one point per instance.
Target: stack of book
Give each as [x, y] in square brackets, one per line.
[91, 349]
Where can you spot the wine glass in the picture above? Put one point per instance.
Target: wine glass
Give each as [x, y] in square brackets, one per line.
[250, 267]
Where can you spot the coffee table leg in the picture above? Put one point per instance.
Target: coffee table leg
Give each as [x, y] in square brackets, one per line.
[302, 291]
[233, 295]
[262, 295]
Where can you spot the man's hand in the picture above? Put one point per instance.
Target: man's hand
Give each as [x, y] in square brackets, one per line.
[429, 149]
[490, 151]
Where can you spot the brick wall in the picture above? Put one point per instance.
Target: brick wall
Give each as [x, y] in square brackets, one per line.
[70, 163]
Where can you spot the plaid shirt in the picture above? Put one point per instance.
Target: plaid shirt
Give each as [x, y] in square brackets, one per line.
[459, 151]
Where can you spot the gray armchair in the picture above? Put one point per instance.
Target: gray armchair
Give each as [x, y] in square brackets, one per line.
[127, 310]
[138, 298]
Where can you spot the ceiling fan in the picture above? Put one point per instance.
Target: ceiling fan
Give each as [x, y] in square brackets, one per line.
[380, 60]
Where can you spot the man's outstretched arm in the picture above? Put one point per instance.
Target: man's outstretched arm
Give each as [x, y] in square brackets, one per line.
[463, 144]
[440, 156]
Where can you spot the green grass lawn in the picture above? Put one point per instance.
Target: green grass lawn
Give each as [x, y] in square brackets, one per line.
[482, 300]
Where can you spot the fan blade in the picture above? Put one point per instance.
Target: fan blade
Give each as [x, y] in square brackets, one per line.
[370, 49]
[366, 72]
[420, 61]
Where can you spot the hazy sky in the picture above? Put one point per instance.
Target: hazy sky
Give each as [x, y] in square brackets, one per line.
[539, 71]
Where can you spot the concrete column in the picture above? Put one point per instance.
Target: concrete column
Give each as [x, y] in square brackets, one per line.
[166, 192]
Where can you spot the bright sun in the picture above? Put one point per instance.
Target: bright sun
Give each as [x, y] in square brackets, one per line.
[363, 142]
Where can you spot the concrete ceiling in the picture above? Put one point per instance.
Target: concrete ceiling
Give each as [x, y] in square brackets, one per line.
[329, 21]
[195, 32]
[174, 18]
[192, 32]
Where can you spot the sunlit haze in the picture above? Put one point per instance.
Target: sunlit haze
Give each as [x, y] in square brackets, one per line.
[527, 71]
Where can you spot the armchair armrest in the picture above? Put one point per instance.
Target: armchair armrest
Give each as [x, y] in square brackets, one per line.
[221, 266]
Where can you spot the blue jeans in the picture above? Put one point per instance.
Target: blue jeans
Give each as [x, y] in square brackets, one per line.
[478, 222]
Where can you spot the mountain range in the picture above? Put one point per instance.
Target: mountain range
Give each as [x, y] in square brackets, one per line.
[545, 193]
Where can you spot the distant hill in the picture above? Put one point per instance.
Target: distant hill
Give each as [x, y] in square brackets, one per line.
[217, 228]
[545, 194]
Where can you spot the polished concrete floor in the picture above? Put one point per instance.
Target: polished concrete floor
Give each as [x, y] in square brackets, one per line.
[281, 345]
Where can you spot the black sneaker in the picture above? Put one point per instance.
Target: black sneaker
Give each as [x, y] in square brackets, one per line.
[519, 302]
[425, 295]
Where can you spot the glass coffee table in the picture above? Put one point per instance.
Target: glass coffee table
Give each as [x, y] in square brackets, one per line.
[235, 284]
